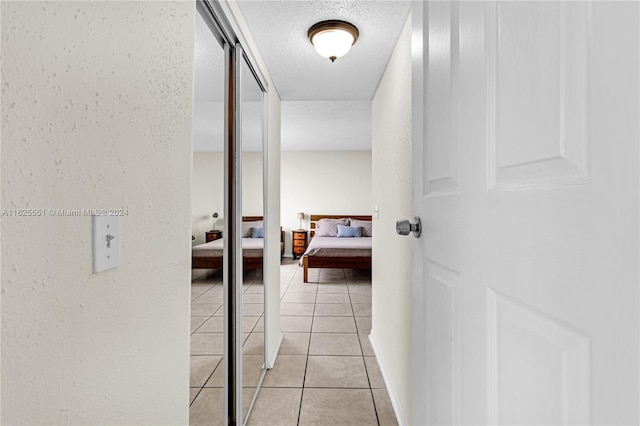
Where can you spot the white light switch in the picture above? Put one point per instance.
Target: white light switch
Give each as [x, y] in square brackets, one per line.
[376, 211]
[106, 243]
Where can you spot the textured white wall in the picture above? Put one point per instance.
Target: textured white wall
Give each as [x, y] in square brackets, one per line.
[323, 182]
[96, 112]
[391, 298]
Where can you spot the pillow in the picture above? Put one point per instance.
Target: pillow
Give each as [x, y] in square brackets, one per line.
[257, 232]
[329, 227]
[246, 227]
[349, 231]
[366, 225]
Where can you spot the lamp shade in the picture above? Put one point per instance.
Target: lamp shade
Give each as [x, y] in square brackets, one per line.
[301, 215]
[333, 39]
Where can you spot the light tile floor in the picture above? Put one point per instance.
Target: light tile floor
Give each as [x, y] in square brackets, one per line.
[326, 372]
[206, 376]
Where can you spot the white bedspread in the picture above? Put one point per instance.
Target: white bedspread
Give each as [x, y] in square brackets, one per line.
[251, 247]
[339, 247]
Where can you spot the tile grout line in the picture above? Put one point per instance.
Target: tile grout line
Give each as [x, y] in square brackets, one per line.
[190, 355]
[201, 388]
[308, 387]
[210, 316]
[204, 385]
[352, 315]
[306, 364]
[366, 370]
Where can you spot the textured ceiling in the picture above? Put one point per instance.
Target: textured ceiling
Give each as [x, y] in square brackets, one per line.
[326, 106]
[299, 73]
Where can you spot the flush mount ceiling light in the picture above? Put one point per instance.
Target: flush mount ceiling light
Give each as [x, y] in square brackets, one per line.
[333, 39]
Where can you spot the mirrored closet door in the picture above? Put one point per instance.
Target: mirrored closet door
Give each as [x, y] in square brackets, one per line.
[253, 241]
[211, 93]
[228, 356]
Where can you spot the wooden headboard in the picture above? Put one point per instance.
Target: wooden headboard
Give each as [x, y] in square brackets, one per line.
[257, 218]
[316, 217]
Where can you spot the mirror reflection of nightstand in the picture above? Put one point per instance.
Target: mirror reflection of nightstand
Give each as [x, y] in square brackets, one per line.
[212, 235]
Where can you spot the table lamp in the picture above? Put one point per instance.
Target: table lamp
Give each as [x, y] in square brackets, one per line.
[301, 216]
[215, 219]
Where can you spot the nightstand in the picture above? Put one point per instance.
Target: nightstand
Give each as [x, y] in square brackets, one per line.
[212, 236]
[298, 242]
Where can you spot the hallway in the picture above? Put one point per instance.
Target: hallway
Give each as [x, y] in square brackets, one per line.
[326, 371]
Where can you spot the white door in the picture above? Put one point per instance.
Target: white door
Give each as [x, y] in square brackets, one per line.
[526, 130]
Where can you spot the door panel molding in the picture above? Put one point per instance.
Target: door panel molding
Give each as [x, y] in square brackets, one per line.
[443, 135]
[537, 55]
[538, 366]
[443, 330]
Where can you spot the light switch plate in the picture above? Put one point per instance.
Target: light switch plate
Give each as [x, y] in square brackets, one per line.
[106, 243]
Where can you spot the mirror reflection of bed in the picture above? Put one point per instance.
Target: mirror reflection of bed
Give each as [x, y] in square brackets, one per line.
[210, 255]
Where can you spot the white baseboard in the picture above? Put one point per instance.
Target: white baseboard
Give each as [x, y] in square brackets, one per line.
[393, 395]
[271, 359]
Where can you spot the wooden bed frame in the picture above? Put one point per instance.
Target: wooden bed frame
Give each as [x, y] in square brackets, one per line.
[200, 262]
[333, 262]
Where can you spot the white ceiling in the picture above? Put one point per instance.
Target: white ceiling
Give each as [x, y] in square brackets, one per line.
[279, 29]
[325, 106]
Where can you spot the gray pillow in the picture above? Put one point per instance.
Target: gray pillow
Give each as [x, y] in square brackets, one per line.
[329, 227]
[366, 225]
[246, 227]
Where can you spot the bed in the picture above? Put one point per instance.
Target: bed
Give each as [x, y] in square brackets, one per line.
[333, 252]
[209, 255]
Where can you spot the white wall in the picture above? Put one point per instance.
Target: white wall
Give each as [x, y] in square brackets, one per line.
[323, 182]
[252, 184]
[96, 112]
[207, 192]
[326, 125]
[391, 275]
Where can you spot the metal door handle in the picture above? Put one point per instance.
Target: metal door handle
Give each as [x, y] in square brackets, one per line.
[403, 227]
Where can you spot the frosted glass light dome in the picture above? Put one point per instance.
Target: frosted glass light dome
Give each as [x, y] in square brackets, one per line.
[333, 39]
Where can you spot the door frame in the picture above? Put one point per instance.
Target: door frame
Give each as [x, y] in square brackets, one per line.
[419, 50]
